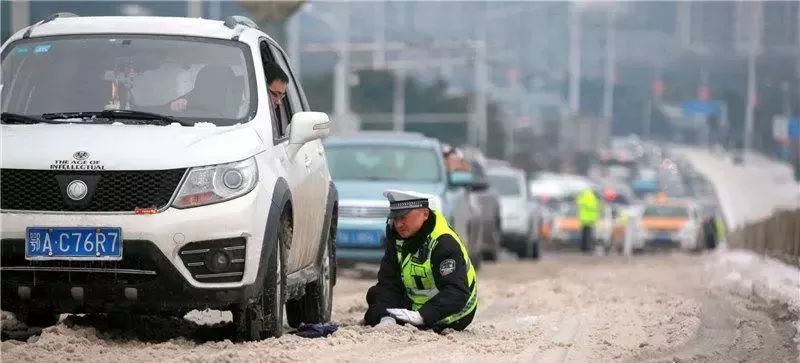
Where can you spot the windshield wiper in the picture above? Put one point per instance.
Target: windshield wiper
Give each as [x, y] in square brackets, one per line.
[120, 114]
[20, 119]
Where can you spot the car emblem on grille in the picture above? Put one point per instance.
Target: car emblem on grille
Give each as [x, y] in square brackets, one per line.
[77, 190]
[80, 155]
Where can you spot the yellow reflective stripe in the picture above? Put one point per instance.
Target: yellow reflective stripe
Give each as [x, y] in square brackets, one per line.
[471, 305]
[427, 293]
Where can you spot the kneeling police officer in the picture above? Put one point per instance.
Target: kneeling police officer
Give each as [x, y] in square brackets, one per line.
[426, 277]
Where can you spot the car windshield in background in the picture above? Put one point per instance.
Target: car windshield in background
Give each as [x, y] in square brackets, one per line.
[569, 209]
[74, 74]
[505, 185]
[375, 162]
[648, 174]
[666, 211]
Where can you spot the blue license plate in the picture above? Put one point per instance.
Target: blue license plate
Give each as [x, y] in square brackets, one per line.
[73, 243]
[359, 237]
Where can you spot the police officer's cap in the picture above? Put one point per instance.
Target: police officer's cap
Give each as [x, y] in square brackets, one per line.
[401, 202]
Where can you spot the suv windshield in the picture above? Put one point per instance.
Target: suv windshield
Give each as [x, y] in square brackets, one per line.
[73, 74]
[505, 185]
[374, 162]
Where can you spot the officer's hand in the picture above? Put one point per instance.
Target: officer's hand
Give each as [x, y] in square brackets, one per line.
[409, 316]
[179, 105]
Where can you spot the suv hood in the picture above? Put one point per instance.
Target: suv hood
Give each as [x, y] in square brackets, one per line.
[124, 147]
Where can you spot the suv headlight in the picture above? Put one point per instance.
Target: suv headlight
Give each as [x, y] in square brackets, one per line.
[217, 183]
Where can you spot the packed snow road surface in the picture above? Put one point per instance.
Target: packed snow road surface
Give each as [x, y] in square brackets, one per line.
[562, 309]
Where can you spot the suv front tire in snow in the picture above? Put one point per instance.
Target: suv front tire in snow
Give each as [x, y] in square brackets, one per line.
[264, 317]
[315, 305]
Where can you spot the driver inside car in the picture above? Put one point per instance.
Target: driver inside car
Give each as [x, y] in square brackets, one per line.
[211, 92]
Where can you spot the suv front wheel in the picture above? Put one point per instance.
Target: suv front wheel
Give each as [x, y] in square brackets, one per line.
[315, 306]
[264, 317]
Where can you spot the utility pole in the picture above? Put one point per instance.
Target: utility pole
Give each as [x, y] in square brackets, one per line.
[293, 42]
[477, 130]
[341, 86]
[399, 109]
[754, 48]
[20, 15]
[379, 55]
[574, 59]
[654, 100]
[611, 58]
[215, 10]
[194, 9]
[684, 19]
[481, 99]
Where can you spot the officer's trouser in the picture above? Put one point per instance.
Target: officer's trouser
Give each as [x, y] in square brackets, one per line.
[587, 237]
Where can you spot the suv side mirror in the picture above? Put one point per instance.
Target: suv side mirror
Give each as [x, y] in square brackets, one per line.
[305, 127]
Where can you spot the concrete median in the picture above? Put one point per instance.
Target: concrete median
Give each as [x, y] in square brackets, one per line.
[777, 236]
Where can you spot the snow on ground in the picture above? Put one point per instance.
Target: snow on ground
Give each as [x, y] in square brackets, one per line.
[750, 275]
[564, 308]
[748, 192]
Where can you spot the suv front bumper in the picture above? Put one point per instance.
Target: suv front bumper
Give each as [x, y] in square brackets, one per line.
[153, 274]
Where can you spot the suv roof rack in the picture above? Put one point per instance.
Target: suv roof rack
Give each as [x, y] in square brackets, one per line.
[47, 20]
[234, 20]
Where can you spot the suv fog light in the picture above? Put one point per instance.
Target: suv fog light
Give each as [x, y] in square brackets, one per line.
[218, 261]
[24, 292]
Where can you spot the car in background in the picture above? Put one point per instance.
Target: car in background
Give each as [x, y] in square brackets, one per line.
[520, 222]
[646, 183]
[670, 223]
[486, 201]
[365, 164]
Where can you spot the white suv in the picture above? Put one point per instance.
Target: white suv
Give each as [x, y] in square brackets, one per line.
[114, 201]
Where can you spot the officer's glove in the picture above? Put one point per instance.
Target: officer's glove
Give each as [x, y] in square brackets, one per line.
[409, 316]
[386, 322]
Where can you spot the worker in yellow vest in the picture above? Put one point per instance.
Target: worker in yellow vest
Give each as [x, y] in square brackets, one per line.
[589, 208]
[426, 278]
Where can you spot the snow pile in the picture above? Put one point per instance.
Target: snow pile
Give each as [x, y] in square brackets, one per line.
[750, 275]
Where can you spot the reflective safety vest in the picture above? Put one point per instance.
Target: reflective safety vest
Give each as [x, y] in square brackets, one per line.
[588, 208]
[719, 225]
[417, 272]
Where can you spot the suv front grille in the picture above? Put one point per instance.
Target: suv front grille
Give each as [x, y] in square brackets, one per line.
[363, 212]
[109, 191]
[138, 265]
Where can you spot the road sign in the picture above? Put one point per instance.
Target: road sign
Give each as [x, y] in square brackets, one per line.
[794, 128]
[697, 108]
[780, 128]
